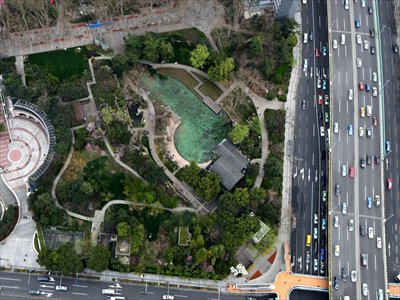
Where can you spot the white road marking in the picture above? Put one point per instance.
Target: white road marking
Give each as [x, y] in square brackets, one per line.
[81, 294]
[78, 285]
[10, 279]
[10, 286]
[347, 82]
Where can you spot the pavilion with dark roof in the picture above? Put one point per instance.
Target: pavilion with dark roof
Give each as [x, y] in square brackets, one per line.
[230, 165]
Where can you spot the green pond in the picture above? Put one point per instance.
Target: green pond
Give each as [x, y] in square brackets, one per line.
[201, 130]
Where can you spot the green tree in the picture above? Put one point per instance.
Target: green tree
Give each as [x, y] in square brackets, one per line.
[166, 51]
[107, 114]
[256, 46]
[87, 189]
[134, 44]
[222, 70]
[64, 259]
[151, 45]
[199, 56]
[137, 238]
[121, 62]
[45, 210]
[291, 40]
[201, 256]
[2, 127]
[267, 69]
[239, 133]
[209, 186]
[99, 258]
[123, 230]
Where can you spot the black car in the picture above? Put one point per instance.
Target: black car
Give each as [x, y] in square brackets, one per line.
[372, 32]
[320, 116]
[377, 160]
[362, 163]
[323, 154]
[363, 231]
[337, 190]
[303, 104]
[323, 180]
[372, 49]
[370, 10]
[310, 35]
[315, 247]
[395, 48]
[345, 274]
[335, 283]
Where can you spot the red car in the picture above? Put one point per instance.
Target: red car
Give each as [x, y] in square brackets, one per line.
[374, 121]
[389, 183]
[361, 86]
[320, 99]
[352, 172]
[317, 53]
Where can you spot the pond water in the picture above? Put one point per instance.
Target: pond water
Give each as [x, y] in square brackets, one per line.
[133, 110]
[201, 130]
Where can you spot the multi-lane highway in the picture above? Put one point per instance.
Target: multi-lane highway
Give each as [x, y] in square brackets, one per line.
[17, 286]
[391, 76]
[354, 169]
[310, 159]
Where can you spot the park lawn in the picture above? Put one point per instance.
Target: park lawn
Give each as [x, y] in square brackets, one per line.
[78, 162]
[63, 64]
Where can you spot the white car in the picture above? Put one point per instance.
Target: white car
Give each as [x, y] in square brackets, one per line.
[344, 170]
[336, 127]
[322, 131]
[353, 276]
[362, 3]
[369, 110]
[374, 77]
[336, 224]
[319, 83]
[359, 62]
[361, 131]
[377, 200]
[337, 250]
[366, 45]
[61, 288]
[370, 232]
[378, 242]
[350, 94]
[315, 218]
[359, 41]
[374, 91]
[335, 44]
[365, 289]
[305, 65]
[168, 297]
[344, 208]
[351, 225]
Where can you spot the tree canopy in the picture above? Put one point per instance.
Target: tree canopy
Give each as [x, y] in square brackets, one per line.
[222, 70]
[99, 258]
[199, 56]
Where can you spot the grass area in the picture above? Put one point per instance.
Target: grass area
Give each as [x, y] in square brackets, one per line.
[180, 75]
[210, 89]
[62, 63]
[183, 235]
[239, 106]
[78, 162]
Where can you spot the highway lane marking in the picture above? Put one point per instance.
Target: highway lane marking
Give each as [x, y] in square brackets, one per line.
[339, 105]
[363, 75]
[344, 23]
[345, 51]
[181, 296]
[11, 279]
[347, 82]
[375, 261]
[366, 20]
[78, 285]
[10, 287]
[319, 21]
[80, 294]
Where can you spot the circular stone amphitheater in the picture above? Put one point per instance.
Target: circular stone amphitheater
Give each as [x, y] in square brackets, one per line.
[26, 146]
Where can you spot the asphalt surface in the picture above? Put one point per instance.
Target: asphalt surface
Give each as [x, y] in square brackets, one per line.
[391, 76]
[17, 286]
[348, 150]
[297, 294]
[309, 165]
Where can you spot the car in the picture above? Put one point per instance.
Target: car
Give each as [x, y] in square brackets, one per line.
[324, 84]
[326, 117]
[34, 292]
[315, 218]
[397, 277]
[362, 3]
[372, 50]
[322, 267]
[337, 250]
[395, 48]
[335, 45]
[335, 283]
[366, 45]
[305, 37]
[374, 121]
[370, 232]
[369, 110]
[361, 131]
[323, 180]
[343, 39]
[323, 224]
[357, 23]
[326, 99]
[322, 131]
[336, 127]
[367, 87]
[344, 170]
[305, 64]
[362, 163]
[359, 40]
[168, 297]
[344, 208]
[380, 294]
[388, 147]
[350, 94]
[324, 51]
[308, 257]
[374, 91]
[319, 83]
[372, 33]
[369, 203]
[315, 236]
[303, 104]
[368, 132]
[353, 275]
[359, 62]
[352, 172]
[374, 77]
[315, 247]
[362, 111]
[365, 289]
[323, 153]
[364, 259]
[363, 232]
[324, 196]
[315, 265]
[377, 200]
[345, 274]
[389, 183]
[350, 129]
[336, 224]
[322, 254]
[317, 53]
[61, 288]
[377, 160]
[378, 242]
[320, 99]
[369, 159]
[370, 10]
[337, 190]
[310, 36]
[361, 86]
[351, 225]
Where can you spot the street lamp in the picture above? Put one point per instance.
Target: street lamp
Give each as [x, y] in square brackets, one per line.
[331, 148]
[387, 154]
[331, 211]
[385, 220]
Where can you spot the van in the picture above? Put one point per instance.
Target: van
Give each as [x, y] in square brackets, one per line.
[110, 292]
[305, 37]
[343, 39]
[308, 240]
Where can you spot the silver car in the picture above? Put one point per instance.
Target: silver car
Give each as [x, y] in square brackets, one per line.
[344, 208]
[365, 289]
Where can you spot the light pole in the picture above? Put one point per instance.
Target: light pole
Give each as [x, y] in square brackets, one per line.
[387, 154]
[331, 148]
[29, 276]
[61, 278]
[331, 211]
[385, 220]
